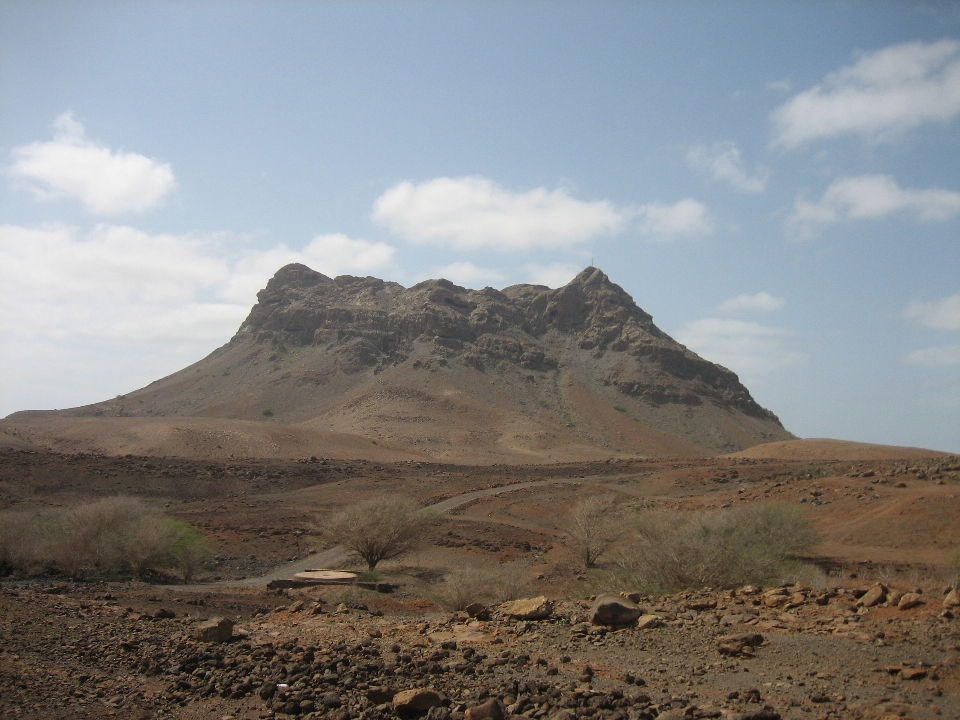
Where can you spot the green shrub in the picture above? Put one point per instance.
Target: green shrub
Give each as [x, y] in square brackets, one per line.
[189, 550]
[753, 544]
[267, 412]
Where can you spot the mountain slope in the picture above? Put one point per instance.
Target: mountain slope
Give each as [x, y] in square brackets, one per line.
[526, 373]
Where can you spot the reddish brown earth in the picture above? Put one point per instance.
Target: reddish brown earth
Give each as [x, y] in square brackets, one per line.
[93, 649]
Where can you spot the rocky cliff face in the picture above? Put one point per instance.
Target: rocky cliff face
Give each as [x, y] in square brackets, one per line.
[370, 323]
[526, 374]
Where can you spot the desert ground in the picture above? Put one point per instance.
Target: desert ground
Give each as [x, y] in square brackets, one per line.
[127, 648]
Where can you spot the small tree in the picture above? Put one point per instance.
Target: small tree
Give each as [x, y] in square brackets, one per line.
[379, 530]
[591, 527]
[189, 550]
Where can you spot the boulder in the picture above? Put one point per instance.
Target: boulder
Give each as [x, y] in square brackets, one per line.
[492, 709]
[648, 622]
[614, 610]
[478, 611]
[536, 608]
[874, 596]
[214, 630]
[910, 600]
[379, 694]
[417, 700]
[739, 643]
[776, 598]
[952, 599]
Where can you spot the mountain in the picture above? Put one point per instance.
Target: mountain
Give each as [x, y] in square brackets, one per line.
[437, 370]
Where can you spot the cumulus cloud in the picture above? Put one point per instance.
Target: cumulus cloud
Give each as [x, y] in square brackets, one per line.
[747, 348]
[119, 284]
[684, 218]
[760, 302]
[881, 94]
[942, 356]
[722, 162]
[553, 275]
[943, 314]
[331, 255]
[473, 212]
[106, 182]
[114, 307]
[869, 197]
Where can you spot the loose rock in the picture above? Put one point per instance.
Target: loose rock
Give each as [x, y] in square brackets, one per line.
[536, 608]
[217, 630]
[614, 610]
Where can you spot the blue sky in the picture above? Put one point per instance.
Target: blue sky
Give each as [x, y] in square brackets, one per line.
[778, 184]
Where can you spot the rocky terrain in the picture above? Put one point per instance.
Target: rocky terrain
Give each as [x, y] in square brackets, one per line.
[867, 636]
[89, 651]
[526, 374]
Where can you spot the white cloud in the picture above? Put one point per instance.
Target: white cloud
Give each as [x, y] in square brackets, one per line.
[943, 314]
[553, 275]
[747, 348]
[723, 163]
[684, 218]
[114, 303]
[881, 94]
[104, 181]
[943, 356]
[473, 212]
[761, 302]
[469, 275]
[869, 197]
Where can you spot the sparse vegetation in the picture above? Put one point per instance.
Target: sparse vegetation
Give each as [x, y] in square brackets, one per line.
[467, 585]
[267, 412]
[953, 569]
[462, 587]
[592, 527]
[378, 530]
[110, 536]
[756, 544]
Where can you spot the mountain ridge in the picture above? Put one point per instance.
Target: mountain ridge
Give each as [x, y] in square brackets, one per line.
[444, 370]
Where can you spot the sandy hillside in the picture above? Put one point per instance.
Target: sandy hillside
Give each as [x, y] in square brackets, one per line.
[826, 449]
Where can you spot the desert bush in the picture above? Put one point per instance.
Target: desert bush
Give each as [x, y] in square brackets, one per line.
[754, 544]
[189, 550]
[22, 544]
[108, 536]
[463, 587]
[953, 569]
[592, 527]
[378, 530]
[500, 583]
[509, 581]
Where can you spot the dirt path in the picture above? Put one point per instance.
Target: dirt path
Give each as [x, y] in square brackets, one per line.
[336, 555]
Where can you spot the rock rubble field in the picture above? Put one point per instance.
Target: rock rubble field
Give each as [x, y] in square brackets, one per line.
[874, 633]
[72, 650]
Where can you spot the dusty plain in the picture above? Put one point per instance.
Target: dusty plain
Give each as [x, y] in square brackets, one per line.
[126, 649]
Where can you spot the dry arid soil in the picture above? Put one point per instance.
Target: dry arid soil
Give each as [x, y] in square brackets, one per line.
[127, 649]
